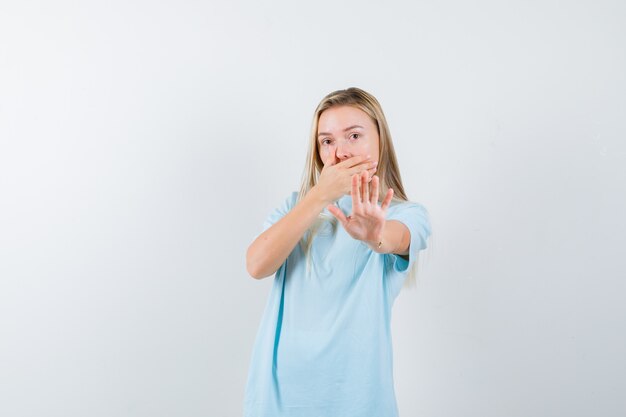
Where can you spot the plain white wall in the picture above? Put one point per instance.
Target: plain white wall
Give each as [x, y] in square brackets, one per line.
[142, 144]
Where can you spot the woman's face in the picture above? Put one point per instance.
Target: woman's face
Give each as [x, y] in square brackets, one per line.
[346, 131]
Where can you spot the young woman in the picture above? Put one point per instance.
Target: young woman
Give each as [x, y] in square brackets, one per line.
[341, 249]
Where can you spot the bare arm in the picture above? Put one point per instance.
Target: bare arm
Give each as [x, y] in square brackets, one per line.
[368, 221]
[396, 238]
[270, 249]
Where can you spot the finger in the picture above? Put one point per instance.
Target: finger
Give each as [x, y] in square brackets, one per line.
[356, 197]
[387, 199]
[355, 161]
[336, 211]
[371, 172]
[365, 165]
[374, 199]
[365, 192]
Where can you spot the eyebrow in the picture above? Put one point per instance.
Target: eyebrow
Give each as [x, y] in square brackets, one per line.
[345, 130]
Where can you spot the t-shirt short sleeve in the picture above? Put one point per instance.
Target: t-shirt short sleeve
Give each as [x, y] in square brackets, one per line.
[276, 214]
[415, 217]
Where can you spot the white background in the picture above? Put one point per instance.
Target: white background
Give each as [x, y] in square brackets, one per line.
[143, 143]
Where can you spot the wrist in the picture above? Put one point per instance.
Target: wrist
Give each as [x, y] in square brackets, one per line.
[317, 195]
[379, 243]
[318, 198]
[377, 246]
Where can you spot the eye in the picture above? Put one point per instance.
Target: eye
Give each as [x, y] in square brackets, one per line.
[355, 136]
[323, 142]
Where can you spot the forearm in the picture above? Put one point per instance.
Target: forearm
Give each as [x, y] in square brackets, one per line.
[270, 249]
[395, 238]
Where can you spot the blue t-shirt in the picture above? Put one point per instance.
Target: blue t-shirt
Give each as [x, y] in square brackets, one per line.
[323, 348]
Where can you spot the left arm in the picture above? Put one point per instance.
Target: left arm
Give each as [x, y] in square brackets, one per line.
[395, 238]
[368, 220]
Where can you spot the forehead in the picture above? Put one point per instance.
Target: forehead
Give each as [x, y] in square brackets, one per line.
[340, 117]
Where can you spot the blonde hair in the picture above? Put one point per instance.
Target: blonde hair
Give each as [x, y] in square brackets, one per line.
[387, 169]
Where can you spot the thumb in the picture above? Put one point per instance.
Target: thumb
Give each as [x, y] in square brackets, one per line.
[336, 211]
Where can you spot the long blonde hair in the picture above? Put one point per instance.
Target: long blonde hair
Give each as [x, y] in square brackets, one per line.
[387, 169]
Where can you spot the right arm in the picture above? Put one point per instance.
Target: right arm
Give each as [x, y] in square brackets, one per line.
[270, 249]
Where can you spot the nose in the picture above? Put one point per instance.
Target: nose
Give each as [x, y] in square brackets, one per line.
[342, 151]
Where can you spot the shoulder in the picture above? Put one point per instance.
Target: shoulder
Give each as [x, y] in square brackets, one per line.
[399, 208]
[281, 209]
[286, 204]
[412, 214]
[291, 199]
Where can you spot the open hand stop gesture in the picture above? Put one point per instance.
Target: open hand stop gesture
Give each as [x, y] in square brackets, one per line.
[367, 221]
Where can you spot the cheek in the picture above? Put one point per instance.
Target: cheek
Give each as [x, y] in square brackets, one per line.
[324, 151]
[322, 154]
[373, 149]
[366, 148]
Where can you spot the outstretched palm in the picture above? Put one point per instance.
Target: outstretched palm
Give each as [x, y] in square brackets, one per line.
[367, 220]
